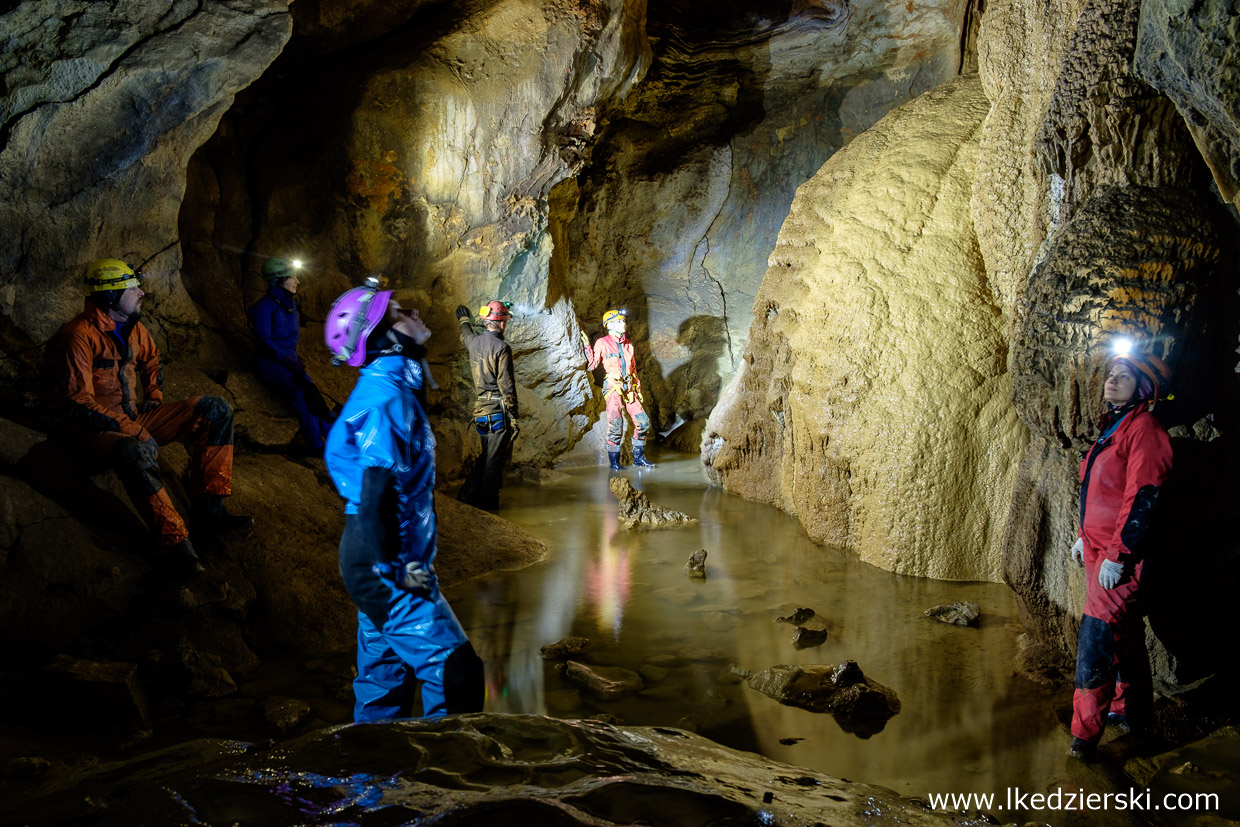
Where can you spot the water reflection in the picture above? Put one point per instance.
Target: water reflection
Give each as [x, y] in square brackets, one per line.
[966, 724]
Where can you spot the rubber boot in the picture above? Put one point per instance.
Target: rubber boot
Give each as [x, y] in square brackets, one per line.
[613, 460]
[639, 458]
[185, 557]
[209, 513]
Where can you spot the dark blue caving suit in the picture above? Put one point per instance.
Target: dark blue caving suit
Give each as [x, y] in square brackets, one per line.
[277, 327]
[381, 456]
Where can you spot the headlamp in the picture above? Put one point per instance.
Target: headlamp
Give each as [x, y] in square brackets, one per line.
[1122, 346]
[296, 263]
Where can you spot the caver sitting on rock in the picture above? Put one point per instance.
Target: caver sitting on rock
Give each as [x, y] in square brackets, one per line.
[100, 356]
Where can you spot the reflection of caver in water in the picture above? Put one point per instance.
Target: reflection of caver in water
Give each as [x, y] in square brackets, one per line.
[381, 457]
[277, 328]
[1120, 479]
[495, 407]
[101, 355]
[622, 390]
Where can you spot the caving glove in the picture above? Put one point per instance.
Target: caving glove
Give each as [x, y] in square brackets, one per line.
[1109, 574]
[514, 427]
[462, 313]
[148, 405]
[410, 577]
[1078, 552]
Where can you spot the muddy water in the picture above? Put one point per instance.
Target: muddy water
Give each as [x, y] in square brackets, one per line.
[967, 723]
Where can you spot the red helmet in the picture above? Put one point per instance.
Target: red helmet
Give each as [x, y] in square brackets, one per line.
[495, 311]
[1154, 375]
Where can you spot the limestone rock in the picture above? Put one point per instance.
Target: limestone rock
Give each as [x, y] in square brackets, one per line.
[15, 442]
[636, 510]
[694, 171]
[606, 682]
[957, 614]
[1189, 53]
[804, 638]
[285, 713]
[859, 705]
[102, 694]
[207, 676]
[464, 769]
[696, 567]
[100, 116]
[826, 416]
[564, 648]
[796, 618]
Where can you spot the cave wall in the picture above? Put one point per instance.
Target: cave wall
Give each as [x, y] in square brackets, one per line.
[694, 172]
[1094, 205]
[874, 401]
[103, 106]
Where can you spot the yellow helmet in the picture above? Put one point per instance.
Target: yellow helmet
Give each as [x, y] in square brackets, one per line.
[611, 315]
[110, 274]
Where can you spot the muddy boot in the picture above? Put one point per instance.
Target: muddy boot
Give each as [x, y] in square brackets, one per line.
[613, 460]
[1083, 751]
[639, 458]
[184, 557]
[210, 514]
[1119, 723]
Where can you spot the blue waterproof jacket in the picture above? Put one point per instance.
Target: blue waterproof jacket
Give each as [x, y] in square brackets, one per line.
[277, 325]
[382, 426]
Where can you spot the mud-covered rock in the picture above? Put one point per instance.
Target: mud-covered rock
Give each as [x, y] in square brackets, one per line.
[606, 682]
[804, 638]
[565, 648]
[859, 705]
[696, 566]
[637, 511]
[964, 613]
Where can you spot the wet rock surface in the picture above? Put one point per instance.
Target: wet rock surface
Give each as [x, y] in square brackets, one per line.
[859, 705]
[565, 648]
[696, 567]
[957, 614]
[804, 638]
[608, 683]
[466, 769]
[636, 510]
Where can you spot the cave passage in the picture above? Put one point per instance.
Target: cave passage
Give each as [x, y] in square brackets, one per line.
[967, 722]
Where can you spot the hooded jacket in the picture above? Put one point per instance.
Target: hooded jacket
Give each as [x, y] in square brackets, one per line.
[277, 325]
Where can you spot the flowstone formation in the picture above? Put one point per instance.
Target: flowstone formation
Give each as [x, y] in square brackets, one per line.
[694, 171]
[1097, 218]
[874, 400]
[470, 769]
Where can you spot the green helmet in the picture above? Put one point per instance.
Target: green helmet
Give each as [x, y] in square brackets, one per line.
[278, 269]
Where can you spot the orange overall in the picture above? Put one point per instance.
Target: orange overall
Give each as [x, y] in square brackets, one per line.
[100, 363]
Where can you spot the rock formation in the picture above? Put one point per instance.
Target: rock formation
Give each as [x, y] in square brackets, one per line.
[877, 270]
[635, 509]
[531, 768]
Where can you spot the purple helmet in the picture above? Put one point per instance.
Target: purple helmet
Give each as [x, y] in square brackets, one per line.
[351, 320]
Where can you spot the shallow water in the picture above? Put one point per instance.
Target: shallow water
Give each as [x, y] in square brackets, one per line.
[967, 722]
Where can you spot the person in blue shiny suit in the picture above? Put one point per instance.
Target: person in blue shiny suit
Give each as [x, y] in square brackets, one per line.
[276, 322]
[381, 456]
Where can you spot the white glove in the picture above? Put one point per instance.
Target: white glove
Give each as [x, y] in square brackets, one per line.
[1078, 551]
[1109, 574]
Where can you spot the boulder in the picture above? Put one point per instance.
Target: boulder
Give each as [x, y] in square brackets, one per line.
[696, 567]
[860, 706]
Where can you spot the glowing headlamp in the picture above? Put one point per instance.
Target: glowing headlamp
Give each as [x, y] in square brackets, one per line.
[296, 263]
[1122, 346]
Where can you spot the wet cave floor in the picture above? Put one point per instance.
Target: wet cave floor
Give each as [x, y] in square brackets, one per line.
[967, 723]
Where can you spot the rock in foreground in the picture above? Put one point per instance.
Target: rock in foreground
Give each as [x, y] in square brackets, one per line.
[469, 769]
[860, 706]
[957, 614]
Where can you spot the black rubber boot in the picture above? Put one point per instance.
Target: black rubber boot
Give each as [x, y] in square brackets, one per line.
[613, 459]
[185, 557]
[639, 458]
[1083, 751]
[209, 513]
